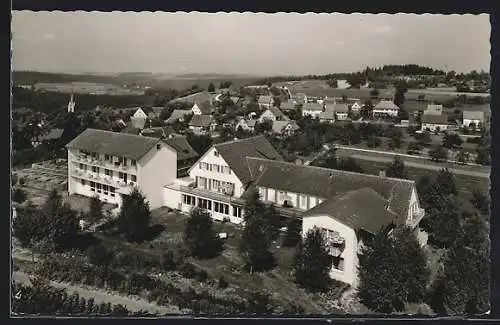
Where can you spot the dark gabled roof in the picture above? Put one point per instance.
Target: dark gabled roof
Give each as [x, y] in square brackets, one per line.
[113, 143]
[205, 107]
[131, 130]
[359, 209]
[434, 119]
[341, 108]
[312, 107]
[201, 120]
[181, 145]
[235, 152]
[327, 183]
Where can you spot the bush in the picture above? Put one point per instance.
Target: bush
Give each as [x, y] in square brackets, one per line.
[222, 283]
[168, 261]
[187, 270]
[19, 195]
[201, 276]
[22, 181]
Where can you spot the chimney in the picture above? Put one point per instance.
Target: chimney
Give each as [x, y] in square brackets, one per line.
[381, 173]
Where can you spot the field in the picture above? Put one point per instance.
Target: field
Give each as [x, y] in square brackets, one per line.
[157, 81]
[320, 88]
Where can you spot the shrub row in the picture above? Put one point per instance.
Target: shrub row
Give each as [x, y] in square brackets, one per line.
[42, 299]
[78, 271]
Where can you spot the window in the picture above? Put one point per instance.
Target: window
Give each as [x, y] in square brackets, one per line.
[107, 157]
[112, 191]
[226, 209]
[124, 161]
[158, 146]
[94, 169]
[133, 162]
[236, 212]
[133, 178]
[105, 189]
[216, 206]
[98, 187]
[81, 166]
[216, 154]
[108, 172]
[83, 182]
[338, 264]
[120, 174]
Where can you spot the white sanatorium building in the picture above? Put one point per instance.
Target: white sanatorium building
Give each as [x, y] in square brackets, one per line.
[346, 206]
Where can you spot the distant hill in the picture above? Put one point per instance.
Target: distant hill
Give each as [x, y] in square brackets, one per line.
[157, 81]
[32, 77]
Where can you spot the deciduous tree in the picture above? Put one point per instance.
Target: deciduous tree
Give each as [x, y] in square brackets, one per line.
[396, 169]
[200, 237]
[312, 263]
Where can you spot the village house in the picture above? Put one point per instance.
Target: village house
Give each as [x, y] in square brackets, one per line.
[433, 109]
[312, 109]
[285, 127]
[473, 117]
[203, 108]
[299, 98]
[356, 107]
[265, 101]
[341, 112]
[328, 116]
[235, 100]
[245, 124]
[434, 123]
[109, 165]
[386, 108]
[139, 113]
[178, 115]
[273, 114]
[287, 106]
[202, 124]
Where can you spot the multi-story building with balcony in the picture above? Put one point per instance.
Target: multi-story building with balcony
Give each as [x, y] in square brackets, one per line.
[345, 206]
[109, 165]
[219, 178]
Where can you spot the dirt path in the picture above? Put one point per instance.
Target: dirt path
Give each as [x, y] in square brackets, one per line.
[101, 296]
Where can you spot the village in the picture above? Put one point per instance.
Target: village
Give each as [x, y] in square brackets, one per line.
[248, 195]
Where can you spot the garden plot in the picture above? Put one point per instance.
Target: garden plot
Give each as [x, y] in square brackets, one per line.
[43, 180]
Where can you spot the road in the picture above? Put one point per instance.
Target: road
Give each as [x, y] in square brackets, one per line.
[101, 296]
[423, 166]
[417, 162]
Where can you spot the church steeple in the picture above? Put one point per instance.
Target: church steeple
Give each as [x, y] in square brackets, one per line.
[71, 104]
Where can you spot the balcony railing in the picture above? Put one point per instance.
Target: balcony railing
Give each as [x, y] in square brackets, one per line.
[105, 163]
[108, 180]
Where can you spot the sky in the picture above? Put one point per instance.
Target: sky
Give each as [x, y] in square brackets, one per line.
[245, 43]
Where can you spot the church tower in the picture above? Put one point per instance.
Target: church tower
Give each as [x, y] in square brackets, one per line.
[71, 104]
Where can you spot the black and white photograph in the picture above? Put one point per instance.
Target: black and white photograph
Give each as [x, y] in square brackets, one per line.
[249, 164]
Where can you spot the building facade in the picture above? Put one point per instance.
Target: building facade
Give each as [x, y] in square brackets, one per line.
[109, 165]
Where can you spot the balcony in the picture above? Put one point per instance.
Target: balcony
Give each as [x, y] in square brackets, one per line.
[103, 179]
[115, 165]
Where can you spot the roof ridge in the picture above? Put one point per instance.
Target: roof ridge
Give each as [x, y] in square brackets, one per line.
[238, 140]
[401, 180]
